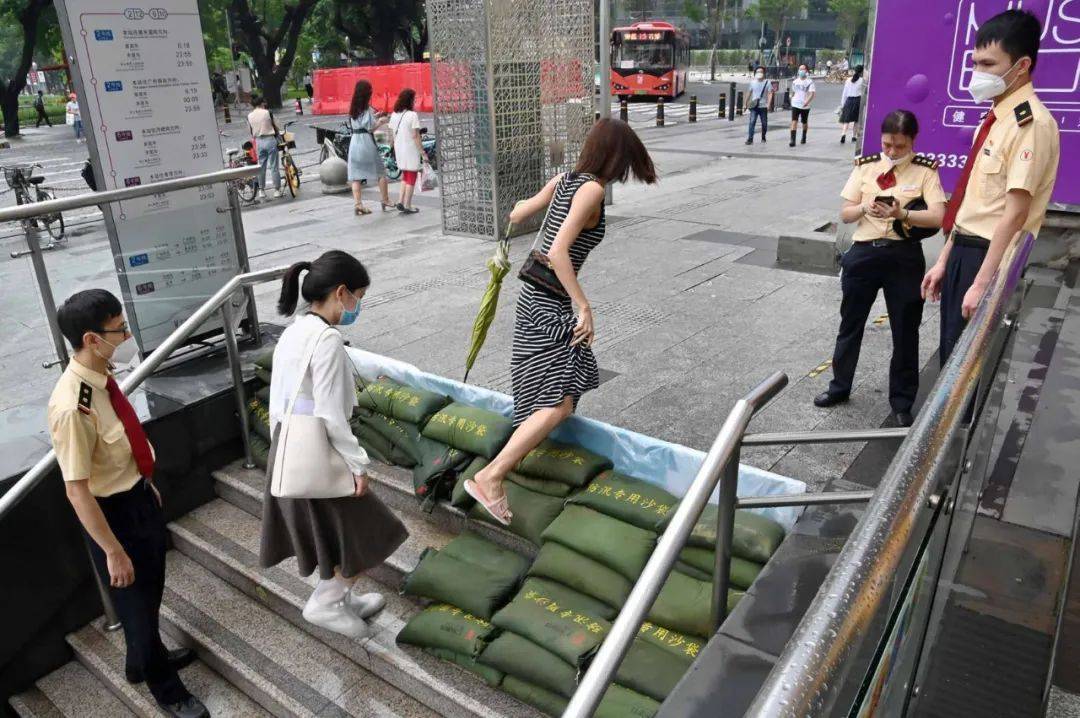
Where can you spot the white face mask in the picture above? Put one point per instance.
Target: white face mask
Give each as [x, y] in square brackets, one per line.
[122, 353]
[760, 76]
[986, 85]
[894, 163]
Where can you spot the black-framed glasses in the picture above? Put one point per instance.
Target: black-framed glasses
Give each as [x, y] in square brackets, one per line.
[122, 330]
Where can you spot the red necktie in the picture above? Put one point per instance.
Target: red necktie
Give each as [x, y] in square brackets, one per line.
[887, 179]
[961, 186]
[140, 445]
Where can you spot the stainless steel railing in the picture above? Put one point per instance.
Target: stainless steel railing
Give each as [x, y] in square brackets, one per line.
[808, 676]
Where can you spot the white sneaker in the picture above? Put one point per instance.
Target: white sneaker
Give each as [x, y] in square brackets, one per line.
[277, 193]
[337, 618]
[365, 605]
[262, 194]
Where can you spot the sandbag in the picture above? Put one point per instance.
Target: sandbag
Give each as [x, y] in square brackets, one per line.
[650, 669]
[617, 545]
[489, 675]
[475, 589]
[581, 573]
[566, 596]
[459, 497]
[437, 470]
[260, 450]
[447, 627]
[262, 375]
[259, 418]
[564, 463]
[692, 571]
[263, 395]
[405, 437]
[543, 700]
[264, 365]
[532, 512]
[570, 634]
[523, 659]
[681, 646]
[754, 538]
[741, 575]
[399, 401]
[471, 429]
[685, 604]
[630, 500]
[618, 702]
[374, 443]
[478, 551]
[462, 500]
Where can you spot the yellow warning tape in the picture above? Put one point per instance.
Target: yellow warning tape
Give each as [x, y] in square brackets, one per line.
[880, 320]
[820, 368]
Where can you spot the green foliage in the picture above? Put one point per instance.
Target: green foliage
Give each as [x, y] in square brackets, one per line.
[694, 10]
[851, 16]
[725, 57]
[776, 13]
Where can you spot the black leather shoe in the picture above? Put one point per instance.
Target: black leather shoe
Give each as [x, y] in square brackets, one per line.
[749, 142]
[904, 418]
[191, 708]
[178, 658]
[825, 399]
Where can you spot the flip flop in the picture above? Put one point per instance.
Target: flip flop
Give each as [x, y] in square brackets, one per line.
[499, 510]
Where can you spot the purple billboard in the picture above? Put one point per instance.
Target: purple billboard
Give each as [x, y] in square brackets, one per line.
[922, 62]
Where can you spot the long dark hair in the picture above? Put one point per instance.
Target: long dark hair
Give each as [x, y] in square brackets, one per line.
[900, 122]
[858, 73]
[405, 100]
[361, 98]
[612, 152]
[324, 275]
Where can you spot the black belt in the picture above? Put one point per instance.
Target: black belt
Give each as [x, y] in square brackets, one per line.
[882, 243]
[970, 240]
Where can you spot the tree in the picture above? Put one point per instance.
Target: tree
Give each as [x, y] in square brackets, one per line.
[382, 26]
[851, 16]
[775, 14]
[17, 53]
[272, 46]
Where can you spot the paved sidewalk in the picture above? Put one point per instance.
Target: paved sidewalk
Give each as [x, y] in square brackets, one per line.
[690, 310]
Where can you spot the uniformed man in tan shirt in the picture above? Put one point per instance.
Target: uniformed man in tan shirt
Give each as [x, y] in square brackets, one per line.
[1009, 175]
[107, 464]
[897, 199]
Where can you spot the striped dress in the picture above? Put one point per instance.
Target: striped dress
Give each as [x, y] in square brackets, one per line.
[544, 367]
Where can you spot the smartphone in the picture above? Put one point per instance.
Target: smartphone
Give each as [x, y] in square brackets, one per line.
[885, 200]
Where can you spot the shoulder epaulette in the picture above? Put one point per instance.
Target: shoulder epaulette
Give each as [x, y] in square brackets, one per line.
[1023, 114]
[85, 393]
[924, 161]
[867, 159]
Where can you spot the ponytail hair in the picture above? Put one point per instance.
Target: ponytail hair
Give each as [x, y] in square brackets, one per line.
[324, 276]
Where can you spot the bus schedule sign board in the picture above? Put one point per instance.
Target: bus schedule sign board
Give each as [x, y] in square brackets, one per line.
[922, 62]
[144, 94]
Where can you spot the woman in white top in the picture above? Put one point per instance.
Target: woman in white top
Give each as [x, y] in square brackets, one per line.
[408, 151]
[340, 537]
[850, 102]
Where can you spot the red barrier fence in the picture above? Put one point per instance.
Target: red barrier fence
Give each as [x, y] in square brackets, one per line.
[334, 87]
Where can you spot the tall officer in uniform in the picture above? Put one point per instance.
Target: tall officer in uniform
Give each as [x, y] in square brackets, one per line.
[897, 199]
[1009, 174]
[108, 465]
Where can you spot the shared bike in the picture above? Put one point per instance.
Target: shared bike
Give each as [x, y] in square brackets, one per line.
[27, 188]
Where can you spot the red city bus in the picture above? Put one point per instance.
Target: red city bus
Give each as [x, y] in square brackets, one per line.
[650, 59]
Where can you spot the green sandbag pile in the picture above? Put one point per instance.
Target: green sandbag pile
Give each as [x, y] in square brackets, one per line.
[264, 365]
[685, 604]
[618, 702]
[569, 568]
[259, 418]
[564, 463]
[260, 450]
[755, 537]
[488, 675]
[470, 429]
[399, 401]
[515, 656]
[532, 512]
[545, 487]
[436, 470]
[449, 633]
[700, 563]
[633, 501]
[620, 546]
[470, 573]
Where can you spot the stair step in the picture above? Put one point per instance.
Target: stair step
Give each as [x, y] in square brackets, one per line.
[219, 696]
[244, 488]
[69, 691]
[287, 671]
[225, 540]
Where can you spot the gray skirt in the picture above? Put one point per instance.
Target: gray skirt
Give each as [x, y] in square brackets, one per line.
[351, 534]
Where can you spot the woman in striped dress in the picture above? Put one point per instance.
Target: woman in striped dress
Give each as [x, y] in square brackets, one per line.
[552, 363]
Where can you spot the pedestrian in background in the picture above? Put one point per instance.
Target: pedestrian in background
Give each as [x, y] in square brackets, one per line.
[408, 150]
[39, 105]
[345, 536]
[265, 133]
[882, 194]
[72, 110]
[552, 362]
[308, 87]
[758, 100]
[107, 465]
[365, 163]
[803, 90]
[1009, 176]
[850, 104]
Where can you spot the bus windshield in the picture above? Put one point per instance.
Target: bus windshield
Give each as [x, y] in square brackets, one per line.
[632, 55]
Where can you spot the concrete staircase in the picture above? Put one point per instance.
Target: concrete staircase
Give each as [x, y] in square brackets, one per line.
[257, 655]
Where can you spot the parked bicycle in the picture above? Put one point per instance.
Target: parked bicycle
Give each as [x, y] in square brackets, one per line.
[246, 188]
[292, 172]
[27, 188]
[338, 143]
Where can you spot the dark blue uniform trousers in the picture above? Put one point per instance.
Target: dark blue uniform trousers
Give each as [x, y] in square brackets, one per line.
[960, 271]
[897, 270]
[136, 520]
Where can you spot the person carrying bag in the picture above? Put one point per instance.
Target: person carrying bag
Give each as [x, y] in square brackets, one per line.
[316, 505]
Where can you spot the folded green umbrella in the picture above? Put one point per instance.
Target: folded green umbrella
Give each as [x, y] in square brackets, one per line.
[498, 265]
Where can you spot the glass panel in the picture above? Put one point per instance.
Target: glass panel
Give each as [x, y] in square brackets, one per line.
[634, 55]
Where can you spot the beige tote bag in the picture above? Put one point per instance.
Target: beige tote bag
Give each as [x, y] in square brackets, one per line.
[305, 463]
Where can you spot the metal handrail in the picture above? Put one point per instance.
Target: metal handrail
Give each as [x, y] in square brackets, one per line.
[824, 437]
[218, 302]
[92, 199]
[723, 458]
[806, 677]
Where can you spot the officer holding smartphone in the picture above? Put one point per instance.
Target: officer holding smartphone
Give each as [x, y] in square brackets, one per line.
[897, 199]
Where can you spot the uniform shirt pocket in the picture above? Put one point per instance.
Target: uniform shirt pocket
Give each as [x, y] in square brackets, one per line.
[114, 445]
[991, 173]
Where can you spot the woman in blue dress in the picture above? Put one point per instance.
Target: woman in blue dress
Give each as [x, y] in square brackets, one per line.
[365, 163]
